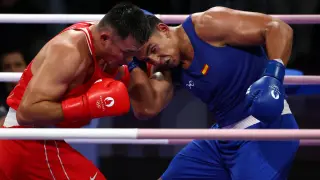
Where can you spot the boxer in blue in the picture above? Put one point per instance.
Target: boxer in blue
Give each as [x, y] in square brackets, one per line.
[218, 56]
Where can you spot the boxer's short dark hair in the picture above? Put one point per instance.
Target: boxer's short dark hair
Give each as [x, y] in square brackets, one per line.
[153, 22]
[128, 19]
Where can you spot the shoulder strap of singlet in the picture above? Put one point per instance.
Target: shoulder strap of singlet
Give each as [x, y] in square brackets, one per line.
[197, 44]
[189, 29]
[89, 39]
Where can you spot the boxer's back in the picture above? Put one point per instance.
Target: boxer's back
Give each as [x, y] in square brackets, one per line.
[220, 76]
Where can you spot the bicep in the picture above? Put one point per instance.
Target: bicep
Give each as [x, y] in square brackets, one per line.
[162, 85]
[51, 80]
[46, 85]
[235, 27]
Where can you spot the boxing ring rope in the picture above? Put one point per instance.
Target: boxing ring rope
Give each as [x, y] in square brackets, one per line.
[303, 142]
[167, 18]
[119, 133]
[288, 80]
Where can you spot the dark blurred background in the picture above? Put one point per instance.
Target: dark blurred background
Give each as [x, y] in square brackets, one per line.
[19, 43]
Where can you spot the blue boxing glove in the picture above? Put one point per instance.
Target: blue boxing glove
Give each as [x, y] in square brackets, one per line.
[265, 97]
[137, 63]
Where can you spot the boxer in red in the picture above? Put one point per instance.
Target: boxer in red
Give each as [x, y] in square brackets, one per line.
[69, 82]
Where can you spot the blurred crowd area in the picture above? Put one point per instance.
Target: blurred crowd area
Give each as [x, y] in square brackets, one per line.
[20, 42]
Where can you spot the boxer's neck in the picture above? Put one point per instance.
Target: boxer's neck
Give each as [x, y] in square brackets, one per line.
[96, 37]
[185, 47]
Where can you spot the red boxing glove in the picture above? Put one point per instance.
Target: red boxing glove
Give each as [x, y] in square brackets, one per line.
[126, 75]
[106, 97]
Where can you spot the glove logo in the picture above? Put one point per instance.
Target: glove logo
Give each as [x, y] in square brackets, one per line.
[98, 104]
[109, 101]
[274, 94]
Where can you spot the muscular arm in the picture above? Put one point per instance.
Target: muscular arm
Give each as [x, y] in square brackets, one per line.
[227, 26]
[149, 95]
[41, 103]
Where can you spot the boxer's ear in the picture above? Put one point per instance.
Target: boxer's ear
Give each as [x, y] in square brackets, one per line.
[163, 27]
[104, 36]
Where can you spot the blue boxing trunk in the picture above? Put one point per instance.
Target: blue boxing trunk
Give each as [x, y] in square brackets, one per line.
[237, 160]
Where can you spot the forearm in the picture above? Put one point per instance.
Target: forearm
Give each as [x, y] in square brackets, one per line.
[149, 96]
[163, 93]
[141, 93]
[40, 114]
[278, 39]
[166, 96]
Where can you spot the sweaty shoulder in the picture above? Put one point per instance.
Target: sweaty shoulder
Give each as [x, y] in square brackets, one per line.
[72, 40]
[208, 23]
[221, 26]
[63, 50]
